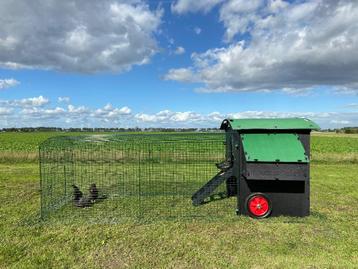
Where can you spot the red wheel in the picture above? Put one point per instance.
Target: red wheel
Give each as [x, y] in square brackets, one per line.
[258, 205]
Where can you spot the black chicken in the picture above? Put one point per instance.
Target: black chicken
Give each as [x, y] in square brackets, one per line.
[77, 194]
[78, 199]
[93, 192]
[84, 202]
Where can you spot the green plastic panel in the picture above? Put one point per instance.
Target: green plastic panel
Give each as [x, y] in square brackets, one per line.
[278, 147]
[277, 124]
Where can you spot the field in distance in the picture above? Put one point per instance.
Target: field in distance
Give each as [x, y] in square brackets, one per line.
[325, 147]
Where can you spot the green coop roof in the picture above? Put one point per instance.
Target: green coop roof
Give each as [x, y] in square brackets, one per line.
[277, 147]
[269, 124]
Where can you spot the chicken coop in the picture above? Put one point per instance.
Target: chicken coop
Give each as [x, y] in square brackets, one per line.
[267, 167]
[258, 167]
[115, 177]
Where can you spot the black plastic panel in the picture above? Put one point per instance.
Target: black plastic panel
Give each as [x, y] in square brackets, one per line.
[276, 171]
[277, 186]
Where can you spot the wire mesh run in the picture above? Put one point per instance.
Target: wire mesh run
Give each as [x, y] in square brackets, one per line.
[115, 178]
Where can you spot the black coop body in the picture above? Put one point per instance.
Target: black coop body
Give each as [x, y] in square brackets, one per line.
[270, 163]
[267, 167]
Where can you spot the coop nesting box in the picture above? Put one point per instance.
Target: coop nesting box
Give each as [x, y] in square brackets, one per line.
[266, 167]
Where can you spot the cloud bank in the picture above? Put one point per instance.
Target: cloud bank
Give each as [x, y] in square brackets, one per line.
[278, 45]
[77, 35]
[39, 111]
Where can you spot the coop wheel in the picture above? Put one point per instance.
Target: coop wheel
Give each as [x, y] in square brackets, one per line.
[258, 205]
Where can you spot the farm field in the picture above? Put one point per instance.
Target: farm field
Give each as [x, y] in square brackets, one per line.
[326, 239]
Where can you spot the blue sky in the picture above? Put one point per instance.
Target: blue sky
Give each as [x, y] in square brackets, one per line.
[177, 63]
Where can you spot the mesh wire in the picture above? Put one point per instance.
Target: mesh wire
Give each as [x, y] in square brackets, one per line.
[139, 177]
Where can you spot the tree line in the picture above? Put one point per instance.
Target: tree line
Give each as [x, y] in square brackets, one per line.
[346, 130]
[99, 130]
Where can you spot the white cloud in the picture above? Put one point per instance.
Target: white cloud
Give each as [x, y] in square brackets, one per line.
[298, 91]
[77, 36]
[5, 111]
[216, 116]
[276, 5]
[64, 99]
[77, 110]
[125, 110]
[26, 102]
[180, 74]
[108, 107]
[75, 116]
[118, 112]
[109, 116]
[179, 51]
[167, 116]
[109, 112]
[185, 6]
[237, 15]
[197, 30]
[173, 119]
[293, 46]
[146, 118]
[35, 101]
[40, 113]
[352, 105]
[8, 83]
[186, 116]
[340, 122]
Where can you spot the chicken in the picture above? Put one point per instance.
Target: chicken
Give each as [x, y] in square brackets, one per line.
[84, 202]
[77, 194]
[78, 199]
[93, 192]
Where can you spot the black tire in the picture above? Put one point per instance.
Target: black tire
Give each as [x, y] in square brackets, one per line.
[259, 214]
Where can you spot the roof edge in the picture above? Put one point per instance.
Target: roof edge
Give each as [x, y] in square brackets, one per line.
[225, 124]
[269, 124]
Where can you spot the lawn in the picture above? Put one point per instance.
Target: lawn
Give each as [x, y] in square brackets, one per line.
[326, 239]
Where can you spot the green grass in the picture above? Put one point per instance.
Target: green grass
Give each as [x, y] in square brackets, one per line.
[326, 239]
[23, 147]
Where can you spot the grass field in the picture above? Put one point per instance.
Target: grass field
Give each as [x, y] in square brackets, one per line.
[326, 239]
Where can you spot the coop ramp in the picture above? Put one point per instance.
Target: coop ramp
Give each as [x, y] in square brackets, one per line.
[206, 191]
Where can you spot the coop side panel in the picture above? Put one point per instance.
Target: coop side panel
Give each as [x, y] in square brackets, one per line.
[276, 171]
[305, 138]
